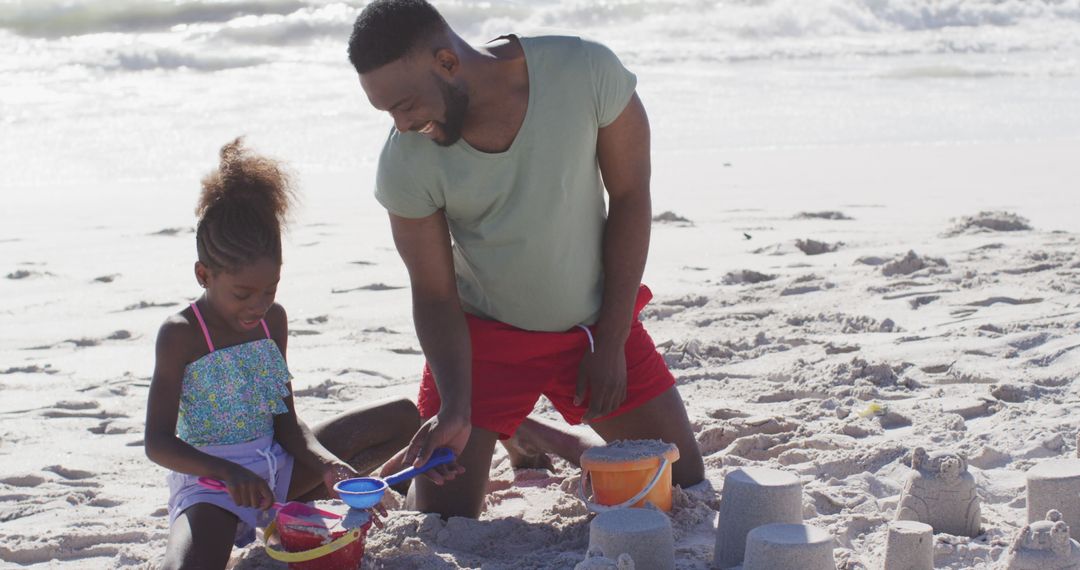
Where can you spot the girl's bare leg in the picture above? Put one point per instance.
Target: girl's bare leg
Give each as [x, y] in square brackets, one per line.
[200, 538]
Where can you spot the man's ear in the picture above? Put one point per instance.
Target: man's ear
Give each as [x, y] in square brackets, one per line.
[447, 62]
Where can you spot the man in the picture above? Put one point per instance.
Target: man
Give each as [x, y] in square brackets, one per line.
[506, 150]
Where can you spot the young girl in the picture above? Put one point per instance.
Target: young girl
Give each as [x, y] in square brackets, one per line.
[221, 402]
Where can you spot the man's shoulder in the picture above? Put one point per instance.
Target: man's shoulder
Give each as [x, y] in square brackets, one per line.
[407, 152]
[556, 45]
[407, 143]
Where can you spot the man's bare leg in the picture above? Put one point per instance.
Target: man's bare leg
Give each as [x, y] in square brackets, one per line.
[664, 418]
[462, 496]
[536, 438]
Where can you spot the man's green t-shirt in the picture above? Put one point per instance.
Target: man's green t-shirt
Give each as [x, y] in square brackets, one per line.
[527, 224]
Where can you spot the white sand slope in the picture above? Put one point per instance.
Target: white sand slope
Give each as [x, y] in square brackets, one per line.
[966, 339]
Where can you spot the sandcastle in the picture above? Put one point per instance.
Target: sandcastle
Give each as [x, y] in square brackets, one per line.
[595, 560]
[789, 547]
[910, 546]
[1054, 484]
[1043, 545]
[941, 493]
[752, 497]
[643, 535]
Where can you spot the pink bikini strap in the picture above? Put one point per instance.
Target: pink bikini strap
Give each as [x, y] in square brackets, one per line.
[202, 323]
[266, 329]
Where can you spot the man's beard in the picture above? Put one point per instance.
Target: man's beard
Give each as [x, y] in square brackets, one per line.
[456, 101]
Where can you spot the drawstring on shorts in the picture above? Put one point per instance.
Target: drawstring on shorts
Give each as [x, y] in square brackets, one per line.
[592, 345]
[271, 462]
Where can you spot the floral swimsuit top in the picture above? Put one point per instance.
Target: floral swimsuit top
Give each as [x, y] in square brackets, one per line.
[232, 395]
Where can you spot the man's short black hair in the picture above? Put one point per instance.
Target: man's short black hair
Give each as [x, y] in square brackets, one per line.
[388, 29]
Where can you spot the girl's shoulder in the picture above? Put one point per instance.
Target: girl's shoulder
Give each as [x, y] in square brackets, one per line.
[178, 336]
[277, 321]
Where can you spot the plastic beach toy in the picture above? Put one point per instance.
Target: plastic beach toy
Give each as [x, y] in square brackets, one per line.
[291, 508]
[628, 474]
[366, 492]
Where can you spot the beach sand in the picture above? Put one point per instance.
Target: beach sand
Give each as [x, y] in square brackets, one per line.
[786, 324]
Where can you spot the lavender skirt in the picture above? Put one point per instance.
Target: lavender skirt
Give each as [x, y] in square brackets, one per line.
[263, 456]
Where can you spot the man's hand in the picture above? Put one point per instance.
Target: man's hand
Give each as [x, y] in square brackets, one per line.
[602, 375]
[443, 430]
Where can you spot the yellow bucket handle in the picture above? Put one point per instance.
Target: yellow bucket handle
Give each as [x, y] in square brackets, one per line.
[597, 508]
[308, 555]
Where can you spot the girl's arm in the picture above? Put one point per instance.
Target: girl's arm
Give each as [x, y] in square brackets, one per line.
[161, 444]
[290, 431]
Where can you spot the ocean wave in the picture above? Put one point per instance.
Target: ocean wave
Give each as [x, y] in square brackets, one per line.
[144, 59]
[59, 18]
[641, 31]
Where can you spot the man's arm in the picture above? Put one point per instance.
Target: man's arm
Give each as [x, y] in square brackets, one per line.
[424, 246]
[622, 150]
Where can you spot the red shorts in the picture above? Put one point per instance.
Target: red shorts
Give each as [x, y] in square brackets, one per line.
[513, 367]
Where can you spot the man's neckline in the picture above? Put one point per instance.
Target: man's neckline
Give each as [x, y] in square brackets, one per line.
[469, 148]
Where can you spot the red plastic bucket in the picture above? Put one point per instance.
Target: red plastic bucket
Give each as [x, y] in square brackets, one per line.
[325, 545]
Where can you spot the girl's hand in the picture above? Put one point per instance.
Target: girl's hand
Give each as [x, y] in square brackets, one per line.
[334, 470]
[378, 513]
[248, 489]
[337, 470]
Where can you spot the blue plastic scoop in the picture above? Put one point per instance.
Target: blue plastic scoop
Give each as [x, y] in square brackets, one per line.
[366, 492]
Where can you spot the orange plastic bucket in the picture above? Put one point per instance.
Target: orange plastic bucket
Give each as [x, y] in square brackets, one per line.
[629, 474]
[325, 545]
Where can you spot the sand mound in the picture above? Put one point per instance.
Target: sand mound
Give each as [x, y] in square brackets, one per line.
[911, 263]
[670, 217]
[990, 221]
[814, 247]
[746, 276]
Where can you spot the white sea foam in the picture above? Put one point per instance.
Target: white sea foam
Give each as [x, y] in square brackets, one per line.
[732, 73]
[647, 31]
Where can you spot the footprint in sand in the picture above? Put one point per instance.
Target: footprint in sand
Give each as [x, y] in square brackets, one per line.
[32, 369]
[98, 415]
[106, 278]
[687, 302]
[87, 342]
[381, 330]
[922, 300]
[371, 287]
[23, 480]
[303, 332]
[405, 351]
[147, 305]
[670, 217]
[361, 262]
[804, 289]
[824, 215]
[172, 231]
[660, 312]
[317, 320]
[746, 276]
[374, 373]
[75, 405]
[1005, 300]
[68, 473]
[23, 274]
[1032, 269]
[325, 389]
